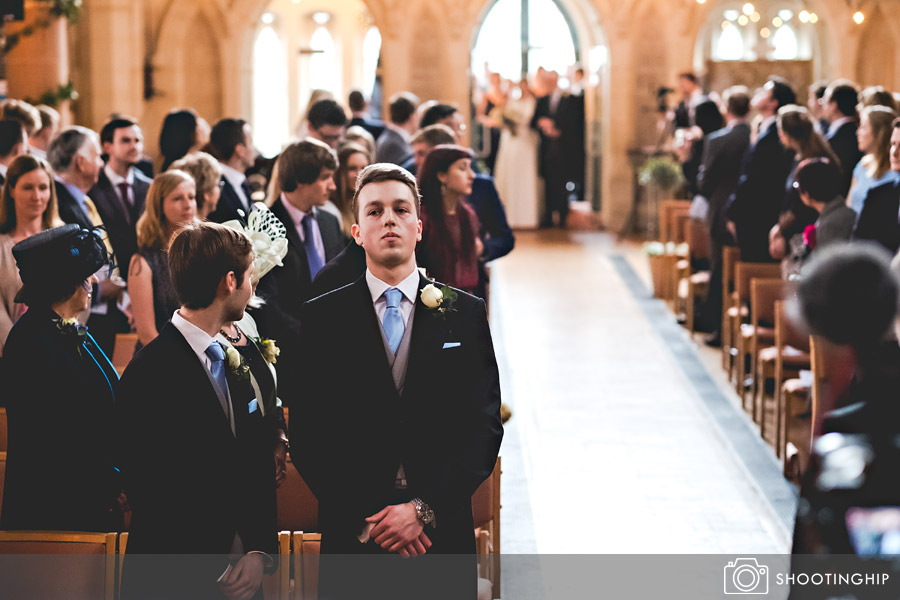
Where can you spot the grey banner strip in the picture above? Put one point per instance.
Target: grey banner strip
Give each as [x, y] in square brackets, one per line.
[735, 426]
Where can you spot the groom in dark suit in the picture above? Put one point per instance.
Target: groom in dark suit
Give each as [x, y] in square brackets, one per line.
[187, 449]
[400, 417]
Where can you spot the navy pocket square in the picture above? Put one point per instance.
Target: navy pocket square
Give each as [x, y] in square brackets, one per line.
[451, 345]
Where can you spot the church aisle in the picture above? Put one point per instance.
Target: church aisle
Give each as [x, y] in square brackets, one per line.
[610, 448]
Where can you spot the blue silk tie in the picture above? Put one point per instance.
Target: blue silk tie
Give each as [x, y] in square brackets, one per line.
[393, 320]
[216, 355]
[309, 243]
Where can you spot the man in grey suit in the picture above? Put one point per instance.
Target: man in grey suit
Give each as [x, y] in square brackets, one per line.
[717, 179]
[394, 144]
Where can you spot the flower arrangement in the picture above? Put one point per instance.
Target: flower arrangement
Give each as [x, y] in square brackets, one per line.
[671, 248]
[662, 172]
[269, 350]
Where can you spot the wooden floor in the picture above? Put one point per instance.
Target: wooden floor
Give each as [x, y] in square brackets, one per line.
[611, 449]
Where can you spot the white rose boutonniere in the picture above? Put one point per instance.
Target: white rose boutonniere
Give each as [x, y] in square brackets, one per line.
[236, 363]
[270, 351]
[439, 300]
[431, 296]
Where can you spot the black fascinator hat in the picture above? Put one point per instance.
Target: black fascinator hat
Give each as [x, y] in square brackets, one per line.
[54, 262]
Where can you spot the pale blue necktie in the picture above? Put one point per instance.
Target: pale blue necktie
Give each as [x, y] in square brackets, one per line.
[309, 243]
[216, 355]
[393, 320]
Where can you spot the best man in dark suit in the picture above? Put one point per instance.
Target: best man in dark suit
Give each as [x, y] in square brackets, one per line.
[187, 451]
[394, 453]
[879, 220]
[717, 178]
[839, 109]
[305, 176]
[231, 143]
[121, 189]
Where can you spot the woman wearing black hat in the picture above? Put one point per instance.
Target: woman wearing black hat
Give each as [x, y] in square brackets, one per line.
[59, 392]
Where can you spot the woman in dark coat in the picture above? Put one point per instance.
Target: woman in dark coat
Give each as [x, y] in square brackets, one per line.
[59, 391]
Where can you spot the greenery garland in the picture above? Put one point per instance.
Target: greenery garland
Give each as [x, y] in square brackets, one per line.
[54, 97]
[70, 10]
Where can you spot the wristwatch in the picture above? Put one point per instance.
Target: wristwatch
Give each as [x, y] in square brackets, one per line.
[423, 511]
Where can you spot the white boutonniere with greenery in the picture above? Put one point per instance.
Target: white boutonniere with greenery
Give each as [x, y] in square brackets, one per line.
[438, 300]
[236, 363]
[269, 350]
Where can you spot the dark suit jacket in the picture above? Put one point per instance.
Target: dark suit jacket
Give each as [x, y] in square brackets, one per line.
[373, 126]
[756, 202]
[121, 229]
[723, 154]
[878, 220]
[846, 147]
[69, 209]
[352, 437]
[495, 232]
[552, 160]
[60, 472]
[228, 206]
[392, 148]
[343, 269]
[189, 480]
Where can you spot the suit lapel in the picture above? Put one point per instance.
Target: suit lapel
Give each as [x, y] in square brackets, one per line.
[293, 238]
[427, 333]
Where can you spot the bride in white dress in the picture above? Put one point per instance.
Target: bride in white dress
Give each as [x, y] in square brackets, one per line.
[516, 171]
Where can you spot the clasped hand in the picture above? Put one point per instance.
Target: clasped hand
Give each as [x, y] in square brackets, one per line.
[397, 529]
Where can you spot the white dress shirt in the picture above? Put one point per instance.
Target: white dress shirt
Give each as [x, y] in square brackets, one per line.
[237, 179]
[837, 124]
[409, 287]
[297, 217]
[115, 179]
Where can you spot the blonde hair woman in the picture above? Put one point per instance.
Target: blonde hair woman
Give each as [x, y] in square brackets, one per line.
[874, 137]
[171, 204]
[207, 175]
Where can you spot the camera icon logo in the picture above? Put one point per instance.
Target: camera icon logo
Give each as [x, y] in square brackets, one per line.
[746, 576]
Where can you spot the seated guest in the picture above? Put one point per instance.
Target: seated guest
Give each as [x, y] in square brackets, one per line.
[305, 173]
[316, 96]
[39, 141]
[878, 219]
[450, 248]
[443, 114]
[180, 134]
[360, 110]
[184, 431]
[326, 121]
[709, 119]
[121, 189]
[13, 143]
[59, 393]
[207, 175]
[24, 113]
[352, 158]
[424, 140]
[798, 134]
[839, 109]
[874, 135]
[393, 145]
[27, 207]
[875, 95]
[231, 143]
[357, 135]
[171, 205]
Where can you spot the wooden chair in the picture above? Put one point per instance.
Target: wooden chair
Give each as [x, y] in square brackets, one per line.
[833, 367]
[277, 585]
[793, 422]
[486, 516]
[305, 556]
[730, 257]
[693, 285]
[668, 211]
[4, 433]
[123, 350]
[737, 309]
[298, 509]
[2, 478]
[760, 330]
[63, 576]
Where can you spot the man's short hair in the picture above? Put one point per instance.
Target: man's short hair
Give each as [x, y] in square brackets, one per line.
[380, 172]
[436, 114]
[820, 178]
[108, 132]
[326, 112]
[434, 135]
[843, 93]
[689, 76]
[225, 137]
[356, 101]
[782, 92]
[21, 111]
[737, 100]
[200, 255]
[11, 133]
[49, 116]
[302, 162]
[401, 107]
[63, 150]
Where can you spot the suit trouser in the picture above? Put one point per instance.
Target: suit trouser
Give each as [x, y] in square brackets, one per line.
[711, 313]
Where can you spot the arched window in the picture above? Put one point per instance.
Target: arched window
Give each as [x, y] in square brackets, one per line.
[323, 68]
[270, 94]
[785, 42]
[371, 51]
[730, 45]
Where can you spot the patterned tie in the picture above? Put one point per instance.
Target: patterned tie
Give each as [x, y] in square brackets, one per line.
[216, 355]
[96, 221]
[393, 321]
[309, 243]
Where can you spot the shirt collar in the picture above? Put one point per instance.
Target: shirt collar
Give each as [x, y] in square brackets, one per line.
[117, 179]
[767, 122]
[837, 124]
[3, 169]
[409, 286]
[296, 214]
[198, 339]
[234, 177]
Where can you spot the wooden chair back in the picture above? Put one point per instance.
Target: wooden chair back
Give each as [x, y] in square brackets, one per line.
[298, 509]
[123, 350]
[833, 366]
[277, 585]
[2, 478]
[668, 211]
[764, 293]
[746, 272]
[4, 431]
[486, 516]
[788, 427]
[698, 238]
[306, 564]
[67, 576]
